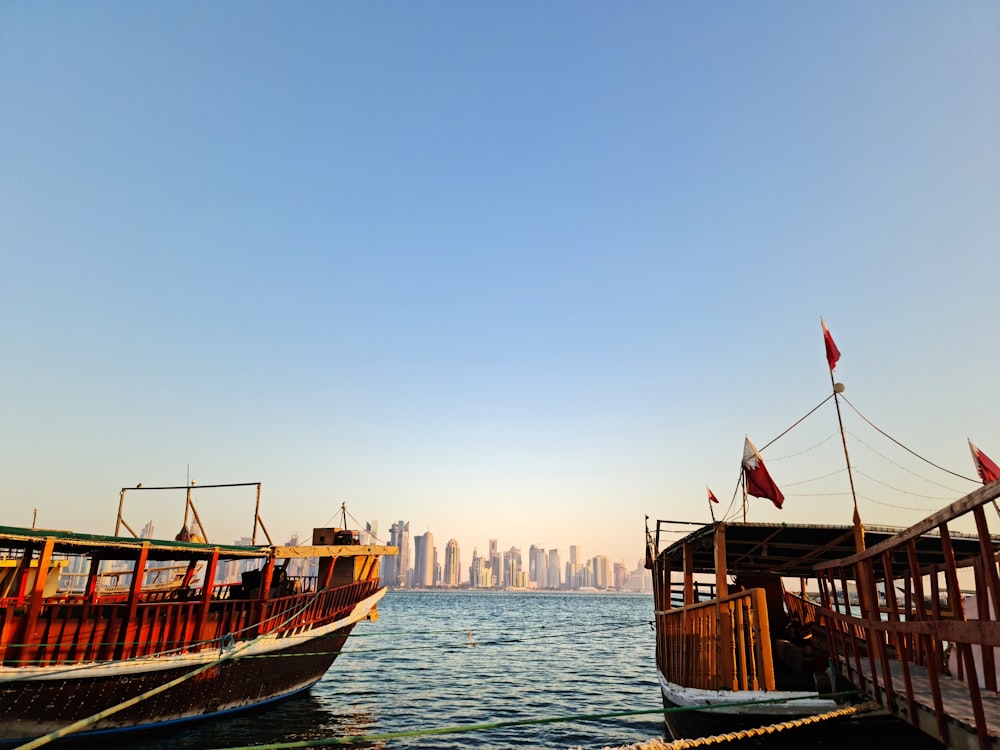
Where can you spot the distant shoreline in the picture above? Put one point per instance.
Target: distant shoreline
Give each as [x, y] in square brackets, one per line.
[466, 590]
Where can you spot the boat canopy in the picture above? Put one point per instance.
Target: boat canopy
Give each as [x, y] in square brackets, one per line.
[790, 550]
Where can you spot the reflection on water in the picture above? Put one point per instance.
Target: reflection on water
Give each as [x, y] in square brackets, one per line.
[535, 656]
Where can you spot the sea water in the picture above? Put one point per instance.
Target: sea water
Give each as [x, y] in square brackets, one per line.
[438, 664]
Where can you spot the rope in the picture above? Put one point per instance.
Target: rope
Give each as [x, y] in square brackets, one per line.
[485, 726]
[890, 437]
[746, 734]
[796, 424]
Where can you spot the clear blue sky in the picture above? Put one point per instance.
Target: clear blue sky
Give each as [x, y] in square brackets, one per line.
[525, 271]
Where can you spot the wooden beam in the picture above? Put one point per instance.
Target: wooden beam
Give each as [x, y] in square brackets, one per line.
[333, 550]
[688, 574]
[721, 572]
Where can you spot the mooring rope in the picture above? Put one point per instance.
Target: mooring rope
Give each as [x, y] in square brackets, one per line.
[486, 726]
[746, 734]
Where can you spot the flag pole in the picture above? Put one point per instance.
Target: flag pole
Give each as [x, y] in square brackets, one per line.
[838, 388]
[832, 355]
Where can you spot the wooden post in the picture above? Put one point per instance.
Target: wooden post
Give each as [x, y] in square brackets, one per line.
[206, 597]
[264, 596]
[135, 590]
[24, 567]
[256, 518]
[35, 602]
[688, 574]
[721, 572]
[121, 504]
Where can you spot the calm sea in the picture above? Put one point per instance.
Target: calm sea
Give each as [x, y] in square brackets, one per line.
[455, 659]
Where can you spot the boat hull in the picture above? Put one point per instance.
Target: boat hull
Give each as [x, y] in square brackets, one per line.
[234, 684]
[735, 710]
[749, 712]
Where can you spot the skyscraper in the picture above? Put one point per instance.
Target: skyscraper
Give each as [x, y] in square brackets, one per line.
[423, 560]
[539, 566]
[452, 563]
[554, 574]
[512, 567]
[397, 565]
[573, 567]
[602, 572]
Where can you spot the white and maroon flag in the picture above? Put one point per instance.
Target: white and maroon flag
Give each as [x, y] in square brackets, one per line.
[832, 352]
[988, 471]
[711, 495]
[755, 476]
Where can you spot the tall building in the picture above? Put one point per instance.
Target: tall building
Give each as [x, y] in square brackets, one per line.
[494, 564]
[397, 565]
[554, 573]
[370, 535]
[299, 567]
[602, 572]
[423, 560]
[621, 575]
[573, 567]
[479, 575]
[452, 564]
[540, 563]
[512, 567]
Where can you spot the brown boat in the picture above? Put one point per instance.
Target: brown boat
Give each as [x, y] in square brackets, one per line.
[104, 634]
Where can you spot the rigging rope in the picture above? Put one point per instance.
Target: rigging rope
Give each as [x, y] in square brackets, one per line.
[914, 453]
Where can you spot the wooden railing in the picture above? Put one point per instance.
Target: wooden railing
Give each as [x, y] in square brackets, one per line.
[905, 643]
[70, 632]
[717, 645]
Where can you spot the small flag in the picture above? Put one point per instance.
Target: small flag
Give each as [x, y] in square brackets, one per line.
[832, 352]
[988, 471]
[758, 480]
[711, 495]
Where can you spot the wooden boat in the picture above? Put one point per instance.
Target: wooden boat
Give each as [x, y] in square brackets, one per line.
[808, 626]
[756, 652]
[229, 628]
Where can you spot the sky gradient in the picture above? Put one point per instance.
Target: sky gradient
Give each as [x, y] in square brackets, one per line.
[503, 270]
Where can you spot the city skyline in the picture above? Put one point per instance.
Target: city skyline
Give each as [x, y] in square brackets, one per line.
[418, 565]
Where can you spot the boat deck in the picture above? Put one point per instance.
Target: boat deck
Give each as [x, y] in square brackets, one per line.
[955, 700]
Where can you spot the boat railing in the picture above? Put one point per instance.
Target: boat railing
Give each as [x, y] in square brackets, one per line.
[81, 631]
[717, 645]
[931, 636]
[802, 610]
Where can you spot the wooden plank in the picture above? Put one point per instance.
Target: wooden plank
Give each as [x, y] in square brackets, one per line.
[956, 704]
[332, 550]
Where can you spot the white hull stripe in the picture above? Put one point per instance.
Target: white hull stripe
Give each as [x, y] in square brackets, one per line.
[798, 703]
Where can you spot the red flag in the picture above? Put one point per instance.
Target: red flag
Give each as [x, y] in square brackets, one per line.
[988, 471]
[832, 352]
[711, 495]
[758, 481]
